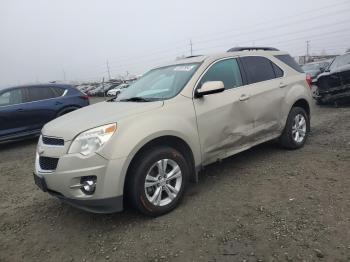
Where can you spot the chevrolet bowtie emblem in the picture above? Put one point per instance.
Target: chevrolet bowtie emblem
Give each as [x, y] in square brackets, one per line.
[41, 151]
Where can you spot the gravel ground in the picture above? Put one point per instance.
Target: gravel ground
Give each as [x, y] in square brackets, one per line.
[265, 204]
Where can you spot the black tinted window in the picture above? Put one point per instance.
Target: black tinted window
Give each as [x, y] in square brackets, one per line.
[258, 68]
[226, 71]
[278, 71]
[58, 91]
[11, 97]
[39, 93]
[287, 59]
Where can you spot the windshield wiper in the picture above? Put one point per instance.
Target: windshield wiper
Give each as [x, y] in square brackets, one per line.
[136, 99]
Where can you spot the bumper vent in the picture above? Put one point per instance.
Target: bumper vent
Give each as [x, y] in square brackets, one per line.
[52, 141]
[48, 163]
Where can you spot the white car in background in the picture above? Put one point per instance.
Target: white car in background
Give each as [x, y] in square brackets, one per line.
[117, 90]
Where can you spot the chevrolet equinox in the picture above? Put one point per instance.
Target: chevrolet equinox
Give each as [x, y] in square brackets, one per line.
[144, 146]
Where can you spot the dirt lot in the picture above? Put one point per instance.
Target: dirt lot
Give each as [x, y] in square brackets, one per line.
[266, 204]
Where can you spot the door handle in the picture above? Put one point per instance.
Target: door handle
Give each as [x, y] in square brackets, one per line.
[58, 103]
[244, 97]
[20, 110]
[282, 85]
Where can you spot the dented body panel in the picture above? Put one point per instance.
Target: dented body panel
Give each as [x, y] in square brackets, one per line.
[334, 84]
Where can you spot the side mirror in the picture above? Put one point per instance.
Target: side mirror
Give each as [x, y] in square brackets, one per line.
[211, 87]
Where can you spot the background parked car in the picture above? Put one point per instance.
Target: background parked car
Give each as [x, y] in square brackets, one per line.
[316, 68]
[333, 85]
[116, 91]
[25, 109]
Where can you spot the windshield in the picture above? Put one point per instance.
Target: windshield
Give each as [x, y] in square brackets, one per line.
[309, 67]
[160, 83]
[340, 61]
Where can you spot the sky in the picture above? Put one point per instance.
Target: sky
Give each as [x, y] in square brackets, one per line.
[72, 40]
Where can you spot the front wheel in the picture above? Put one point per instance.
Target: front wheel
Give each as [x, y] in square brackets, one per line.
[158, 181]
[296, 130]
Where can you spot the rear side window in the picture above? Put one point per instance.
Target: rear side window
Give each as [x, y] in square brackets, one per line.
[258, 69]
[57, 91]
[11, 97]
[226, 71]
[278, 71]
[287, 59]
[39, 93]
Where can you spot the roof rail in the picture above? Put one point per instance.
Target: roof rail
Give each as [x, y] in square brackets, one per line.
[251, 48]
[191, 56]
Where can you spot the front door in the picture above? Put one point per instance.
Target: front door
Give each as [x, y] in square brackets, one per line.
[224, 120]
[12, 113]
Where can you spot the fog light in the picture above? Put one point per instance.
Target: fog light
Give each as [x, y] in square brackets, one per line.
[88, 184]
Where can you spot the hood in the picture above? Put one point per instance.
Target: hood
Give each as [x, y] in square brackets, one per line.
[70, 125]
[343, 68]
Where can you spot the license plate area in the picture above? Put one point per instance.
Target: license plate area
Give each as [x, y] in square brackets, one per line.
[40, 182]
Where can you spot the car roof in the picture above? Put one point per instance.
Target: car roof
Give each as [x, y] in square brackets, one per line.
[38, 85]
[202, 58]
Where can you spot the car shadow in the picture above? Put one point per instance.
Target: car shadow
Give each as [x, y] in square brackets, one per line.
[19, 143]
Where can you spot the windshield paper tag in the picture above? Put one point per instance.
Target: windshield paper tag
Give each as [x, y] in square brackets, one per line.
[184, 68]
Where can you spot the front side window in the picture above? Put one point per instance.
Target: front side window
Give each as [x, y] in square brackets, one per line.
[11, 97]
[39, 93]
[226, 71]
[258, 69]
[160, 83]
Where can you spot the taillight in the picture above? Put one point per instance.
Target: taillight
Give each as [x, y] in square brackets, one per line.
[84, 97]
[309, 80]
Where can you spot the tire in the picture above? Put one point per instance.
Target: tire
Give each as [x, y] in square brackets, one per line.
[66, 110]
[146, 165]
[289, 138]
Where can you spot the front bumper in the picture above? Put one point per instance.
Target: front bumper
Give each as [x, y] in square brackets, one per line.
[62, 182]
[104, 206]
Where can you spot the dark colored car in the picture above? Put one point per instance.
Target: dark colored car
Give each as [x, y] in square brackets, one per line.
[315, 68]
[333, 85]
[25, 109]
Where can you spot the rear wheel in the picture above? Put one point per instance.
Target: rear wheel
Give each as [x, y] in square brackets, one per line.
[296, 130]
[66, 110]
[158, 181]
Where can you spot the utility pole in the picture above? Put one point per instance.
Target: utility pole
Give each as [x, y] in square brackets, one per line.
[64, 75]
[103, 86]
[109, 73]
[307, 50]
[191, 46]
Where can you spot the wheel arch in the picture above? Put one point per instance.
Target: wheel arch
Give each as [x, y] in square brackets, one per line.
[303, 103]
[166, 140]
[66, 108]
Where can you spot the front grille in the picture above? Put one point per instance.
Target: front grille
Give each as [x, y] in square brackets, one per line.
[48, 163]
[52, 141]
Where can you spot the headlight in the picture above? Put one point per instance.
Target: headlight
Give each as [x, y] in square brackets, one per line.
[92, 140]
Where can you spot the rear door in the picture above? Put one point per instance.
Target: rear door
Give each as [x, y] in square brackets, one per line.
[225, 119]
[12, 117]
[42, 105]
[267, 93]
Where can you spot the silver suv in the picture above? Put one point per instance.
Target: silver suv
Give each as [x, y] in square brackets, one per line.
[143, 147]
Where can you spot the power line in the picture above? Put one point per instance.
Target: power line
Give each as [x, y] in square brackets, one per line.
[300, 14]
[245, 33]
[308, 19]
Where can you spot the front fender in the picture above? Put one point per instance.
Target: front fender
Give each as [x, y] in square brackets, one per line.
[136, 131]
